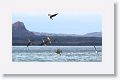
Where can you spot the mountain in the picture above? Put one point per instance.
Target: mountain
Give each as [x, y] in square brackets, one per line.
[53, 34]
[20, 36]
[19, 30]
[93, 34]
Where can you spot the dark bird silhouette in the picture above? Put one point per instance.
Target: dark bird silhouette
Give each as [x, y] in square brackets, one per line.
[51, 16]
[95, 47]
[46, 41]
[59, 51]
[95, 50]
[29, 42]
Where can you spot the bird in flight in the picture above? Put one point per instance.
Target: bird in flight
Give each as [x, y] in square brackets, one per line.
[95, 50]
[53, 15]
[95, 47]
[46, 41]
[29, 42]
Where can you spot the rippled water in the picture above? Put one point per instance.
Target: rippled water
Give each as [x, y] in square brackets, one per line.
[47, 54]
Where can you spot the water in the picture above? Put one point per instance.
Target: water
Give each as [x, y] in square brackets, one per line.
[47, 54]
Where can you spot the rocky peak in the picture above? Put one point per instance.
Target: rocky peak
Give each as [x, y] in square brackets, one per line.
[19, 30]
[18, 26]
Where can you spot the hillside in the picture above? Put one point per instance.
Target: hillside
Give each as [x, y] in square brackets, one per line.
[19, 30]
[20, 35]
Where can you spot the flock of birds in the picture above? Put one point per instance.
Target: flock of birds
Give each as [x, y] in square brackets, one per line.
[45, 42]
[48, 40]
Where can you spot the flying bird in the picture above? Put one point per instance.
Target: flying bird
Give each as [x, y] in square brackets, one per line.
[95, 50]
[46, 41]
[29, 42]
[53, 15]
[95, 47]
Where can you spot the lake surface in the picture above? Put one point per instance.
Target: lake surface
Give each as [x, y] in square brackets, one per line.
[48, 54]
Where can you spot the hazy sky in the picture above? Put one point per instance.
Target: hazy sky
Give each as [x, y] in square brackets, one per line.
[69, 23]
[73, 16]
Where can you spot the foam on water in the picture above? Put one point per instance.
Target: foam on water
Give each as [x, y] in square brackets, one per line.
[47, 54]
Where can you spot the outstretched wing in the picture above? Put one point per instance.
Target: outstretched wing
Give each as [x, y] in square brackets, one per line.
[29, 44]
[50, 39]
[54, 15]
[43, 42]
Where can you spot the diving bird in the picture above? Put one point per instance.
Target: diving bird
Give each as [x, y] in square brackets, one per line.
[29, 42]
[95, 50]
[59, 51]
[95, 47]
[53, 15]
[46, 41]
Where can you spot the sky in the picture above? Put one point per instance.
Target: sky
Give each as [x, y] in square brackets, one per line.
[73, 17]
[65, 22]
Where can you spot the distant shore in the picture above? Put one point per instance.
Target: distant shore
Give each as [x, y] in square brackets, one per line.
[60, 41]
